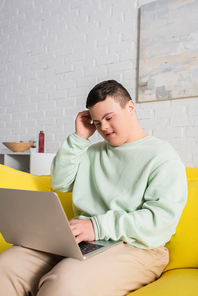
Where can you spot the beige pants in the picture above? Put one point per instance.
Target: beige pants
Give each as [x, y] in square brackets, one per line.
[114, 272]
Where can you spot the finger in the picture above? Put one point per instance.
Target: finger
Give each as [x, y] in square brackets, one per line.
[71, 222]
[76, 232]
[74, 222]
[76, 227]
[84, 113]
[79, 238]
[87, 116]
[73, 226]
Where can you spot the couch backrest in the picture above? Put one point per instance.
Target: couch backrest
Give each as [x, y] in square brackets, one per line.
[183, 246]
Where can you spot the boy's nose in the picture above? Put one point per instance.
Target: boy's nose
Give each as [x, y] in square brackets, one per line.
[104, 126]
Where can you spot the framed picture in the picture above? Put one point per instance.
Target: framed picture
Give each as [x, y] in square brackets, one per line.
[168, 50]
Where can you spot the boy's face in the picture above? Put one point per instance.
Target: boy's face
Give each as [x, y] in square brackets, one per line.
[113, 122]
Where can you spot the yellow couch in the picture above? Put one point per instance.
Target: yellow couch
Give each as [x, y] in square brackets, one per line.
[181, 275]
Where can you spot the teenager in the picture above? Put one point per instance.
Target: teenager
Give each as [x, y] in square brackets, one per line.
[130, 186]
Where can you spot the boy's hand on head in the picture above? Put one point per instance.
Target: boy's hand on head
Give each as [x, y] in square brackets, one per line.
[83, 230]
[84, 126]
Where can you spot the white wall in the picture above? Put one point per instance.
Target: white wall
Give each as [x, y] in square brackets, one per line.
[54, 52]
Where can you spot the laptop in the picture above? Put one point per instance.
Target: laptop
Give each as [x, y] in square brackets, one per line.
[37, 220]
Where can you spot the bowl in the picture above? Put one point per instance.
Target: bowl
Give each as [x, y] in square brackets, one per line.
[18, 146]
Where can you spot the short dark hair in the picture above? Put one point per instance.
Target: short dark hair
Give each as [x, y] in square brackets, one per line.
[108, 88]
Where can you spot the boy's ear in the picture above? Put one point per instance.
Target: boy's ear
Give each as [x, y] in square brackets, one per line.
[131, 107]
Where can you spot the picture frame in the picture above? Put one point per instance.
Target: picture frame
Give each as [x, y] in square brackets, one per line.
[168, 50]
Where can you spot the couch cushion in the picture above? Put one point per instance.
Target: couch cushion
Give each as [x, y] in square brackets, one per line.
[192, 174]
[15, 179]
[183, 245]
[182, 282]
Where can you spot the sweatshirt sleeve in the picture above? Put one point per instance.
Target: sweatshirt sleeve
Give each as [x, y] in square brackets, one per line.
[154, 223]
[66, 162]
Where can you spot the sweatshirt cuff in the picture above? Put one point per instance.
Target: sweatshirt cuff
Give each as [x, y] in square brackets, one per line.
[79, 139]
[96, 228]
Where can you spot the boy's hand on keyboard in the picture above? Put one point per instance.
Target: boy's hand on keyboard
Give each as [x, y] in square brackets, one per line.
[83, 230]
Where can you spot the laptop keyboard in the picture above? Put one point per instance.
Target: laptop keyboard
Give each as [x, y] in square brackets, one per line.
[87, 247]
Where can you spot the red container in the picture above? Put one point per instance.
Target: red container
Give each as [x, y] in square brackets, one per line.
[41, 142]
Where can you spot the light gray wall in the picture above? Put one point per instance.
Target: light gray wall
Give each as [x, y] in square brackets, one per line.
[53, 52]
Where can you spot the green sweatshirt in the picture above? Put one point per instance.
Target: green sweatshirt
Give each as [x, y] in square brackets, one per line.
[135, 192]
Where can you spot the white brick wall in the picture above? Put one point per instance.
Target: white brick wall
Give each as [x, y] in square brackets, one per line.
[53, 52]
